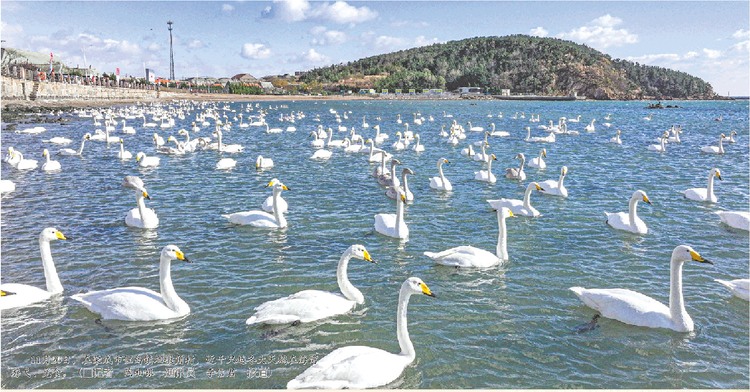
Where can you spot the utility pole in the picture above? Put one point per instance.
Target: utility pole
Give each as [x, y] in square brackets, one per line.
[171, 54]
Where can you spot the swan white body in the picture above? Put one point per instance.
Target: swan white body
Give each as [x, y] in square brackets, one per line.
[25, 164]
[616, 139]
[225, 164]
[322, 155]
[519, 207]
[359, 367]
[440, 182]
[631, 307]
[591, 127]
[555, 188]
[417, 147]
[538, 162]
[311, 305]
[137, 303]
[263, 163]
[705, 194]
[7, 186]
[141, 216]
[629, 221]
[59, 140]
[469, 256]
[662, 146]
[16, 295]
[146, 161]
[715, 149]
[486, 175]
[275, 220]
[736, 219]
[517, 174]
[740, 288]
[50, 165]
[123, 154]
[393, 225]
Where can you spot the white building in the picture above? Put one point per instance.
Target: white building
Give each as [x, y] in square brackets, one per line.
[470, 90]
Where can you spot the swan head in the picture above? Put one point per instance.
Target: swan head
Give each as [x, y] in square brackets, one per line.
[684, 253]
[139, 156]
[641, 195]
[443, 160]
[723, 136]
[51, 234]
[417, 286]
[521, 156]
[564, 171]
[276, 183]
[544, 152]
[360, 252]
[407, 171]
[494, 158]
[504, 212]
[395, 162]
[715, 172]
[86, 136]
[45, 153]
[172, 252]
[534, 185]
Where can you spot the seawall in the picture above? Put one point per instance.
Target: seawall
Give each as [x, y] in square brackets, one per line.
[12, 89]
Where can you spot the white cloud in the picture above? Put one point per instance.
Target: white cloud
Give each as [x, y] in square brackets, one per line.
[300, 10]
[660, 58]
[711, 53]
[314, 57]
[196, 44]
[253, 51]
[227, 8]
[153, 47]
[690, 55]
[601, 33]
[408, 23]
[11, 33]
[323, 36]
[741, 34]
[539, 32]
[388, 42]
[424, 41]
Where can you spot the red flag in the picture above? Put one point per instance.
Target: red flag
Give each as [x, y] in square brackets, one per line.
[117, 71]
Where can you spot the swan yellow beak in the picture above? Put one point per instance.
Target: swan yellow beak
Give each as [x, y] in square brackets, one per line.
[511, 214]
[698, 258]
[284, 187]
[718, 174]
[181, 256]
[646, 200]
[544, 153]
[446, 161]
[538, 187]
[403, 198]
[367, 256]
[145, 194]
[426, 290]
[60, 235]
[4, 293]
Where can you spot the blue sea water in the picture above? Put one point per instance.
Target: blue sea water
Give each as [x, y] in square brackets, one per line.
[512, 326]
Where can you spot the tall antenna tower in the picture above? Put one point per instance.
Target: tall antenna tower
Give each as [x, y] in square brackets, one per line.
[171, 53]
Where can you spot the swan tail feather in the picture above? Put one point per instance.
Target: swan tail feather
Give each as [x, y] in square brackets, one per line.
[577, 290]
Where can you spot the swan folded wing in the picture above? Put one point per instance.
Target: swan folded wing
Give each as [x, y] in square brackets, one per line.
[512, 204]
[549, 185]
[352, 367]
[127, 303]
[305, 306]
[464, 256]
[627, 306]
[696, 194]
[385, 222]
[254, 218]
[739, 287]
[736, 219]
[436, 182]
[22, 295]
[618, 220]
[133, 218]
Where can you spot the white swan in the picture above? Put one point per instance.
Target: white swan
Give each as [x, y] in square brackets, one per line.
[25, 164]
[616, 139]
[318, 142]
[281, 205]
[16, 295]
[739, 287]
[591, 127]
[123, 154]
[137, 303]
[483, 141]
[468, 151]
[546, 139]
[715, 149]
[7, 186]
[475, 129]
[482, 157]
[735, 219]
[493, 132]
[226, 164]
[230, 148]
[404, 186]
[661, 147]
[538, 162]
[634, 308]
[263, 163]
[399, 145]
[322, 155]
[333, 143]
[417, 147]
[731, 139]
[126, 129]
[705, 194]
[146, 161]
[555, 188]
[142, 217]
[311, 305]
[517, 174]
[440, 182]
[359, 367]
[256, 218]
[50, 165]
[393, 225]
[486, 175]
[65, 140]
[519, 207]
[469, 256]
[12, 159]
[629, 221]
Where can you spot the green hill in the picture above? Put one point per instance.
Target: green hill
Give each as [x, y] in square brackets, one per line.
[523, 64]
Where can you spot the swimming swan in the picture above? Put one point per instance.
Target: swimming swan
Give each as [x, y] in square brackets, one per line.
[538, 162]
[404, 185]
[440, 182]
[739, 287]
[486, 175]
[715, 149]
[50, 165]
[393, 225]
[16, 295]
[736, 219]
[70, 151]
[282, 205]
[517, 174]
[137, 303]
[631, 307]
[146, 161]
[358, 367]
[256, 218]
[311, 305]
[629, 221]
[705, 194]
[556, 188]
[469, 256]
[519, 207]
[123, 154]
[263, 163]
[142, 217]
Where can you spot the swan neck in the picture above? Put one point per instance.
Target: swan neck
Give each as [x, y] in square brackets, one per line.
[676, 303]
[399, 214]
[710, 188]
[80, 150]
[280, 220]
[404, 342]
[440, 171]
[721, 145]
[527, 198]
[632, 211]
[350, 292]
[54, 286]
[502, 239]
[141, 205]
[168, 295]
[560, 181]
[406, 184]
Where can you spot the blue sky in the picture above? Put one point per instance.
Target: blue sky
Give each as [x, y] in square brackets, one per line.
[222, 38]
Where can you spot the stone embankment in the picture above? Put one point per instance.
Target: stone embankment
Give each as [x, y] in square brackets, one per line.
[12, 89]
